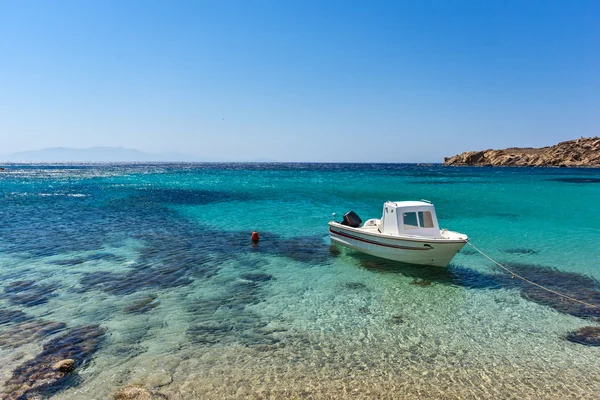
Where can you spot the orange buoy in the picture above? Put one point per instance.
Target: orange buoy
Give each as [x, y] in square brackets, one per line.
[255, 237]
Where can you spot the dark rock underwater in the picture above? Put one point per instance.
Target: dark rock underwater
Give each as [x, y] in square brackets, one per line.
[38, 376]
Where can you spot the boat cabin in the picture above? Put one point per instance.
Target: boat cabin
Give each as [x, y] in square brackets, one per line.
[414, 218]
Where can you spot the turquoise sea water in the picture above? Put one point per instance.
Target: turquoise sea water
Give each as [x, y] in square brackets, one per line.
[146, 275]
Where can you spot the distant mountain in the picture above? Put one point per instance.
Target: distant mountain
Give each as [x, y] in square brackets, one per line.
[93, 154]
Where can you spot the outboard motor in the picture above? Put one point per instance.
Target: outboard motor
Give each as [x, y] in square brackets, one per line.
[351, 219]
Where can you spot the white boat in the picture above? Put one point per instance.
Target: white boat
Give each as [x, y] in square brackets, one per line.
[407, 232]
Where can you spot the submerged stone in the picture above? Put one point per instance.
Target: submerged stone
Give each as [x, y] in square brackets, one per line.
[28, 332]
[588, 336]
[67, 365]
[38, 378]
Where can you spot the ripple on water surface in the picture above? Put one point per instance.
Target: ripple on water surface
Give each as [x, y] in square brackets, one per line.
[120, 271]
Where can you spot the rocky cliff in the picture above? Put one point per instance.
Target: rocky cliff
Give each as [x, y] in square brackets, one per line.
[584, 152]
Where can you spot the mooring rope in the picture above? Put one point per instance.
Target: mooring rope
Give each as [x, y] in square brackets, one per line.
[530, 282]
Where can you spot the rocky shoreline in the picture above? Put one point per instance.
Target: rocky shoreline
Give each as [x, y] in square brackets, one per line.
[583, 152]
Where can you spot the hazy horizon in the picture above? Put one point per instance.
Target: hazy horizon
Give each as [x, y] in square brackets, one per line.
[109, 154]
[100, 154]
[298, 81]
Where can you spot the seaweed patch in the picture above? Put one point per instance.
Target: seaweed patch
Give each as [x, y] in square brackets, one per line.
[27, 293]
[160, 277]
[27, 332]
[12, 316]
[574, 285]
[588, 336]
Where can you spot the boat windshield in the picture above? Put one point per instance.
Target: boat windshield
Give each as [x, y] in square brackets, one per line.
[415, 220]
[410, 220]
[425, 219]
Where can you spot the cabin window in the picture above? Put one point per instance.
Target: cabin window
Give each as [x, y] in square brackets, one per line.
[425, 219]
[410, 220]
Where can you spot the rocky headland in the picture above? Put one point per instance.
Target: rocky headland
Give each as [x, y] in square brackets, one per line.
[583, 152]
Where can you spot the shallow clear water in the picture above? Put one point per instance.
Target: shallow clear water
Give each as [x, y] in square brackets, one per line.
[156, 263]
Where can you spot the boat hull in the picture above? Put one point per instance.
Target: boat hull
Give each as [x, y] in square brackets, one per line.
[420, 251]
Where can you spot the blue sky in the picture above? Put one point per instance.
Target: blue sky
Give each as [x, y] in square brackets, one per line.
[301, 80]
